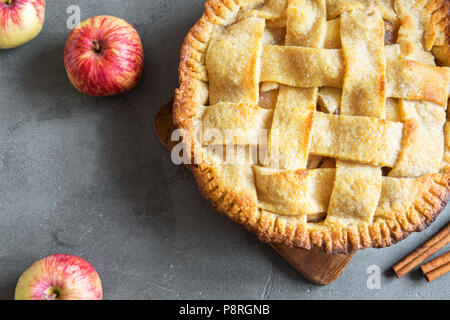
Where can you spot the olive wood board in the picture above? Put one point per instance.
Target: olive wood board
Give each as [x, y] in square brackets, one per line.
[315, 265]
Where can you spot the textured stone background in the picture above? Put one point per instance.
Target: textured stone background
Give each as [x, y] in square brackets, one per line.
[87, 176]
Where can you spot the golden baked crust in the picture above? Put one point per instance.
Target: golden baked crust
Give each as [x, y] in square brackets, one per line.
[286, 205]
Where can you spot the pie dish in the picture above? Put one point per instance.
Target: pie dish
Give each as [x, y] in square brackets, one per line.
[319, 122]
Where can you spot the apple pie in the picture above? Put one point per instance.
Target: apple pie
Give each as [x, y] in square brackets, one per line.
[319, 122]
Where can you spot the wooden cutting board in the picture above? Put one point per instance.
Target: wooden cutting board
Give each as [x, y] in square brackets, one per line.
[315, 265]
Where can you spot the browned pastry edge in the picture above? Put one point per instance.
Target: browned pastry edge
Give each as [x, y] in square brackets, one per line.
[442, 17]
[271, 227]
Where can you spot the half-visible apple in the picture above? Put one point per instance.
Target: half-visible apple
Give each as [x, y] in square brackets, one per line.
[104, 56]
[59, 277]
[20, 21]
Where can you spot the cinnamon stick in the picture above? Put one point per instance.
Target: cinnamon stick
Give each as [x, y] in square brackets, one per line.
[437, 267]
[436, 263]
[422, 253]
[436, 273]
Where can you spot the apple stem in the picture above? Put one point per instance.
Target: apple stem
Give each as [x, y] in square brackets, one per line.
[52, 296]
[9, 2]
[97, 46]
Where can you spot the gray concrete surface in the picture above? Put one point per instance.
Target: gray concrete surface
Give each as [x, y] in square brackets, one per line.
[87, 176]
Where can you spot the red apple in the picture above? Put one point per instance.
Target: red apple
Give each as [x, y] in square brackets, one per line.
[59, 277]
[104, 56]
[20, 21]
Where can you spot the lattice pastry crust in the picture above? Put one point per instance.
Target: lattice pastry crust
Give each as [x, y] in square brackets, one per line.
[353, 98]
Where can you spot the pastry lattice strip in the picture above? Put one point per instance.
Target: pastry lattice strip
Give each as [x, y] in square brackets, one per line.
[361, 139]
